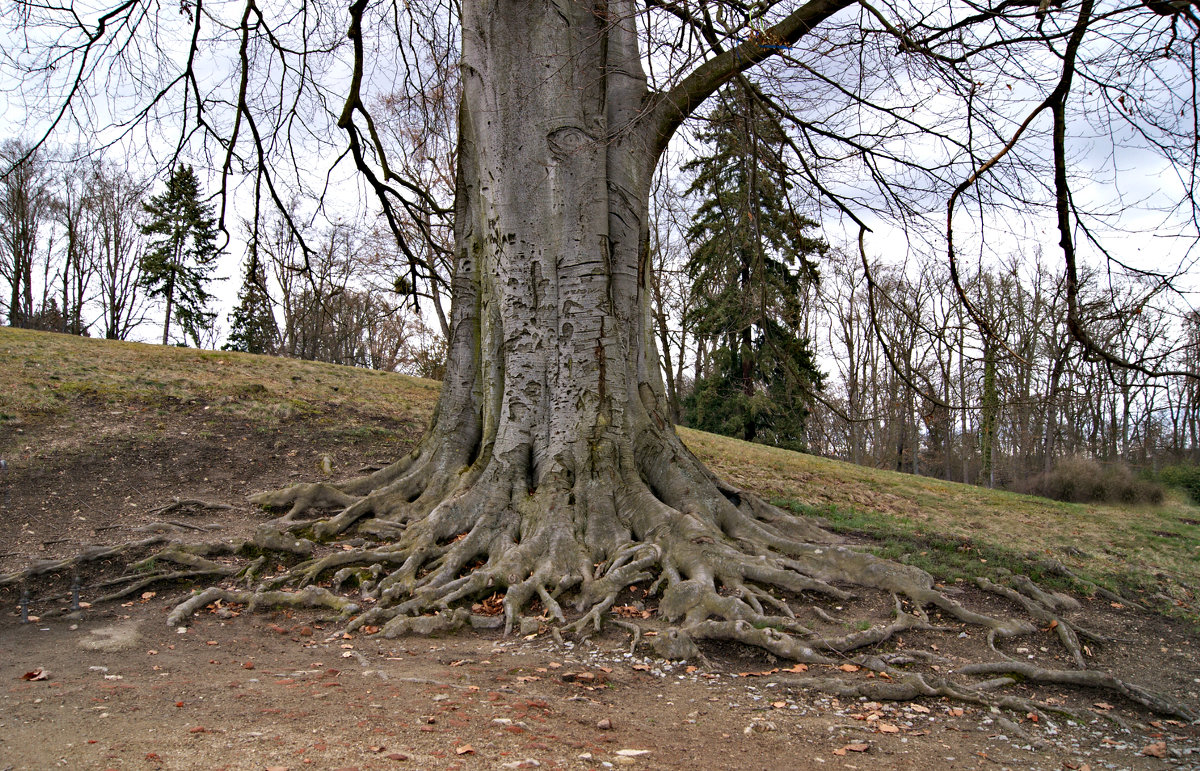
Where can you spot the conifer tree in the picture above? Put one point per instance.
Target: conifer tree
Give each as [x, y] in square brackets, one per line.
[750, 261]
[252, 322]
[182, 254]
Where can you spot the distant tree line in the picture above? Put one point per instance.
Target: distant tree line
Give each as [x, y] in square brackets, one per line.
[768, 334]
[87, 249]
[332, 295]
[912, 382]
[71, 245]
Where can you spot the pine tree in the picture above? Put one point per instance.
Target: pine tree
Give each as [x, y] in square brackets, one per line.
[749, 265]
[182, 254]
[252, 322]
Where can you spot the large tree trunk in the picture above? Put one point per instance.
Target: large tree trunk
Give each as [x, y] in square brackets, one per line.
[552, 463]
[551, 470]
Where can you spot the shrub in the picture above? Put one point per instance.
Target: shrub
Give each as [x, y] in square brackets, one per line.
[1183, 476]
[1083, 480]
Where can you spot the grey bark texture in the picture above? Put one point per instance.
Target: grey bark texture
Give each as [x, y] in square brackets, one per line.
[551, 470]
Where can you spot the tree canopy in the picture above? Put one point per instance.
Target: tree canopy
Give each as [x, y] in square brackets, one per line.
[180, 257]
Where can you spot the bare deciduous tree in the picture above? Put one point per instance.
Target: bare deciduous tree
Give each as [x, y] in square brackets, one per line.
[551, 468]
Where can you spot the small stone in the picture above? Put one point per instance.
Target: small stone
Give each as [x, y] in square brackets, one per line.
[604, 724]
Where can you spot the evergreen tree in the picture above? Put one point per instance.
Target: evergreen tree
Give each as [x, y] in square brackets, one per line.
[252, 322]
[182, 254]
[749, 266]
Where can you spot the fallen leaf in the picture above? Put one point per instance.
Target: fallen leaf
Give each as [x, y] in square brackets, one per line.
[248, 665]
[797, 668]
[198, 729]
[848, 668]
[858, 747]
[919, 708]
[149, 595]
[1102, 705]
[466, 749]
[641, 668]
[37, 674]
[888, 728]
[1156, 750]
[764, 673]
[371, 629]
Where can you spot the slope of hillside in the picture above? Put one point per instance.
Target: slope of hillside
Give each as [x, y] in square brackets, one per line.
[108, 444]
[209, 421]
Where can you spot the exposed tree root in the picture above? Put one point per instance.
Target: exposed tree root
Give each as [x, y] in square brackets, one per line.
[433, 539]
[189, 504]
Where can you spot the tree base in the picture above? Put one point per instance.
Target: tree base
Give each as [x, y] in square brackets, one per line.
[423, 547]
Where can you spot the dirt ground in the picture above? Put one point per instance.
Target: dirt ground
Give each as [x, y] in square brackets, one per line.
[114, 687]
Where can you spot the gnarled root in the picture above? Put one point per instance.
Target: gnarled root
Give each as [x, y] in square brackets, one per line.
[444, 540]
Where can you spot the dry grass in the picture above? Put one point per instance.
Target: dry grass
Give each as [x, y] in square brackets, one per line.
[1145, 548]
[43, 373]
[1152, 549]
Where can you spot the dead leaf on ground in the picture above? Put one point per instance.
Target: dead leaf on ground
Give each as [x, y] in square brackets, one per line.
[466, 749]
[797, 668]
[492, 606]
[855, 747]
[1102, 705]
[764, 673]
[888, 728]
[848, 668]
[919, 708]
[1156, 750]
[36, 674]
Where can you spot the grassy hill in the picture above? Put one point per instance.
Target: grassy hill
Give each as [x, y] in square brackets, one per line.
[62, 395]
